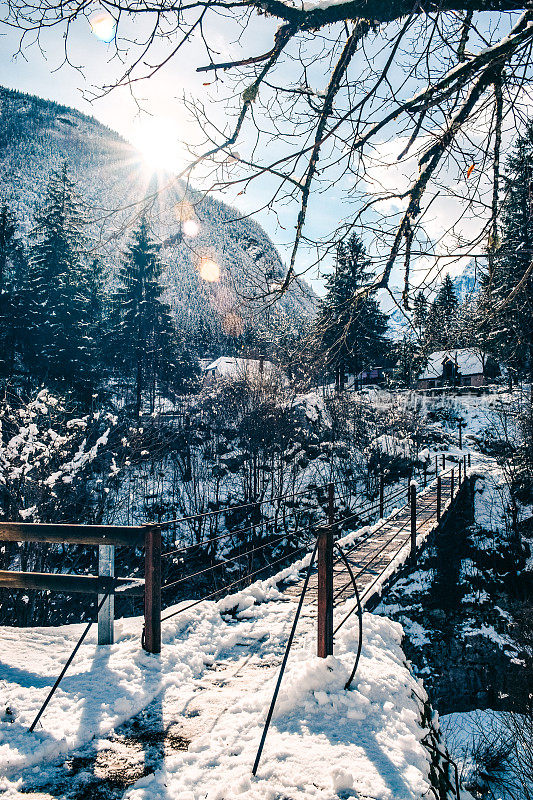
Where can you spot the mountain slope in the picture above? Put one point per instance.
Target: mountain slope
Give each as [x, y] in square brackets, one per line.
[37, 135]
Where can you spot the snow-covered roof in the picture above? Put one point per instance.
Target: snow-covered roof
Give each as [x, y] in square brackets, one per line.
[231, 367]
[469, 362]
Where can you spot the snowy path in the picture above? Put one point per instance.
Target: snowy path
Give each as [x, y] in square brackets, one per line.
[204, 704]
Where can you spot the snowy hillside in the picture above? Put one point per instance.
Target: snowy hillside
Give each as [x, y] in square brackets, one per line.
[37, 136]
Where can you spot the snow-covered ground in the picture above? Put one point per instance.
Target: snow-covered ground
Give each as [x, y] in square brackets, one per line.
[215, 678]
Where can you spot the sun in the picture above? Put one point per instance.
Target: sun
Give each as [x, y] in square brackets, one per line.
[157, 140]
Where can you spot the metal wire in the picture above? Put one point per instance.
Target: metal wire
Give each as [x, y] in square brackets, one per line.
[68, 662]
[284, 662]
[359, 614]
[258, 524]
[234, 583]
[227, 561]
[228, 509]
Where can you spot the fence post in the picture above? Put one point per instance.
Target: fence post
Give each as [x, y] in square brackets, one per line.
[325, 582]
[452, 484]
[439, 497]
[152, 589]
[413, 520]
[469, 460]
[106, 615]
[381, 496]
[460, 475]
[443, 461]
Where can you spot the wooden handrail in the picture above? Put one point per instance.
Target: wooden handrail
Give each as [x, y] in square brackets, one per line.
[121, 535]
[71, 584]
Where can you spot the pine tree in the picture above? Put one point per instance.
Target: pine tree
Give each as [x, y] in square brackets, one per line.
[440, 331]
[143, 340]
[407, 357]
[60, 343]
[420, 311]
[509, 322]
[351, 328]
[12, 276]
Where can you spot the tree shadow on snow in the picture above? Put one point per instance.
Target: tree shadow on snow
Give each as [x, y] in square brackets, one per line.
[105, 768]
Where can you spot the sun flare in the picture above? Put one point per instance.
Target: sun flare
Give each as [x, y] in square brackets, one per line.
[157, 140]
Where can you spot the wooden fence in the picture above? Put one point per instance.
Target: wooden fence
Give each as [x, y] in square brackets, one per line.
[103, 536]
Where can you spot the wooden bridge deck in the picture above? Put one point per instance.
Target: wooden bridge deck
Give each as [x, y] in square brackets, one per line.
[371, 555]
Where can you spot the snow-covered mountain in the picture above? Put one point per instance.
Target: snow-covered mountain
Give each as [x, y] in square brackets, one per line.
[37, 136]
[466, 286]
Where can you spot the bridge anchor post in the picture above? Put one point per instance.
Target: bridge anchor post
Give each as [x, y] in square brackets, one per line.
[152, 589]
[325, 582]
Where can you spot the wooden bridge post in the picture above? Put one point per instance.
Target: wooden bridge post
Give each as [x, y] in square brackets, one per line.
[443, 461]
[381, 496]
[461, 434]
[460, 471]
[469, 460]
[439, 497]
[325, 581]
[152, 589]
[436, 465]
[452, 484]
[413, 520]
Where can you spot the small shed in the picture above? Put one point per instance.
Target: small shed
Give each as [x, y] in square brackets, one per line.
[462, 367]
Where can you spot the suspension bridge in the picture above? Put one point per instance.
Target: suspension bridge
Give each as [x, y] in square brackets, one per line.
[384, 536]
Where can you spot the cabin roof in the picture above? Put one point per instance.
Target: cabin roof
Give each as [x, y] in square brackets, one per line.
[469, 362]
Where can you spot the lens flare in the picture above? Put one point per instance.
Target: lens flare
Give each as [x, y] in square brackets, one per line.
[190, 227]
[103, 26]
[209, 270]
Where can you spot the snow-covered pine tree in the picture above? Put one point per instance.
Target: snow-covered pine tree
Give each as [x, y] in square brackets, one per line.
[12, 275]
[142, 338]
[60, 345]
[350, 329]
[509, 322]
